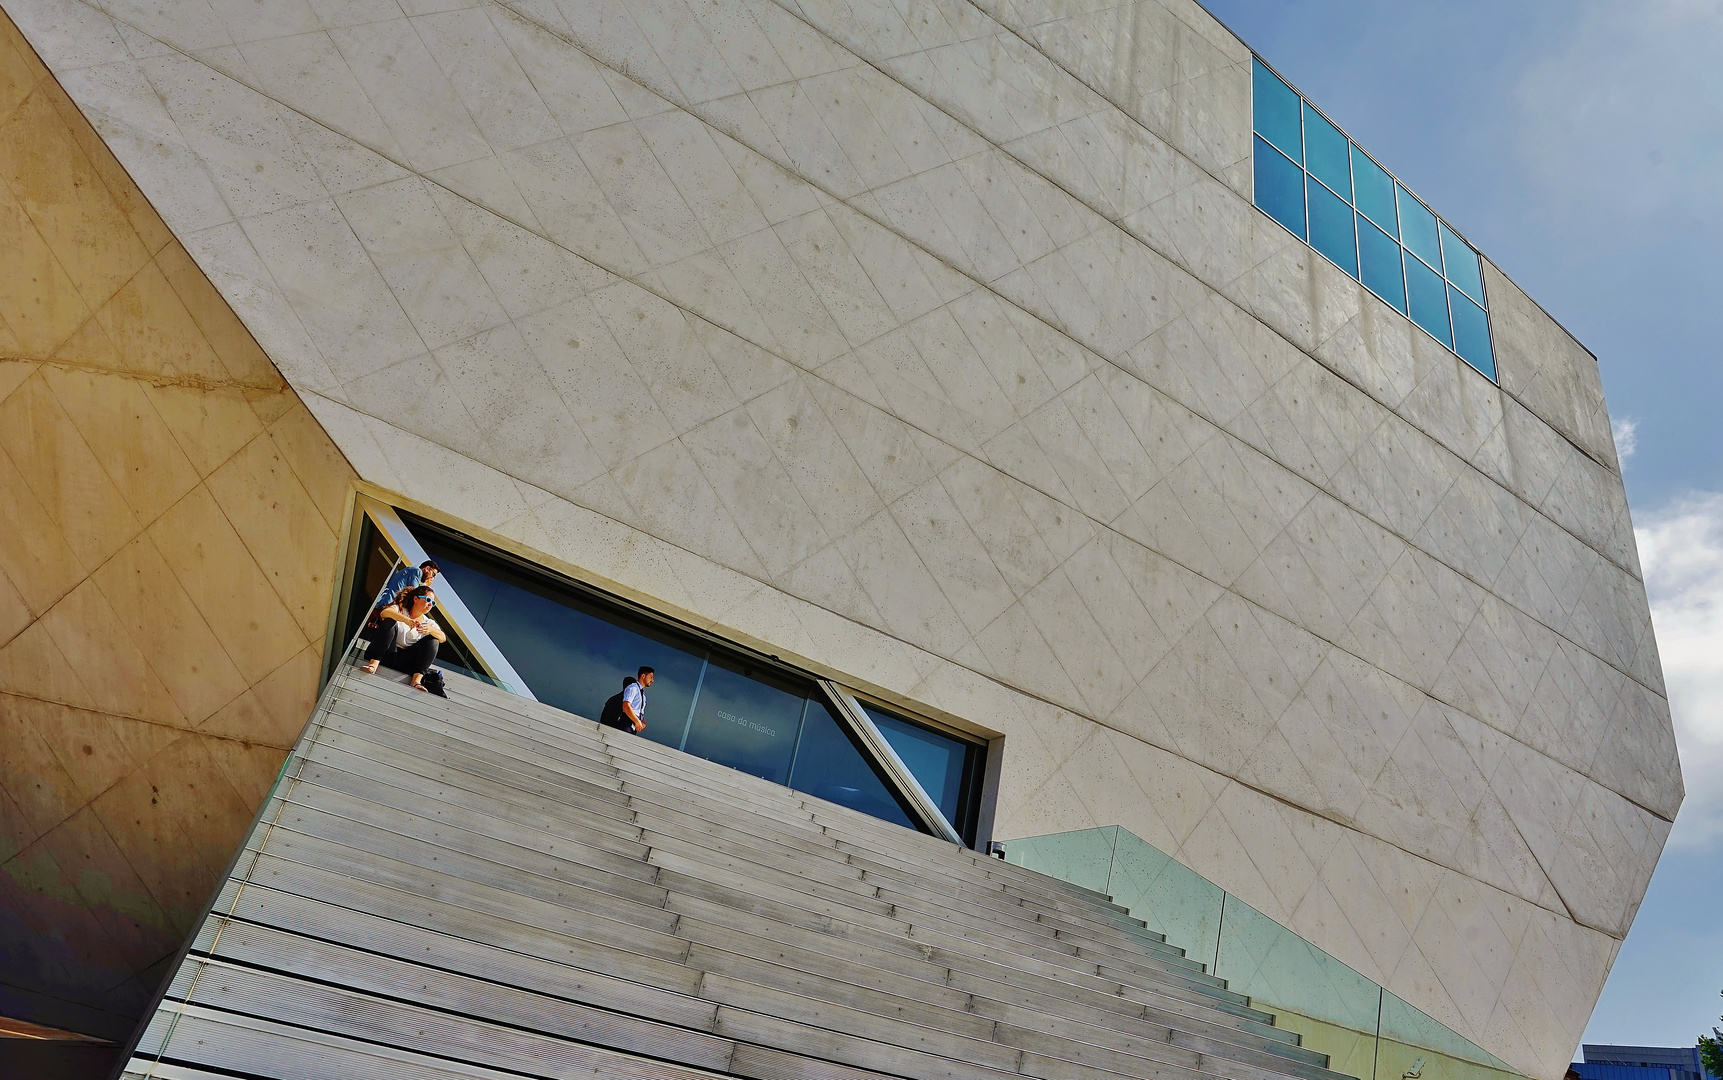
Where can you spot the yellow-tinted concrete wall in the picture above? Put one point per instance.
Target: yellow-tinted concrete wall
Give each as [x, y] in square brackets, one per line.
[170, 516]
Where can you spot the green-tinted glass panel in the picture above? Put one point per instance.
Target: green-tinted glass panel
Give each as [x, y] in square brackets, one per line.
[1472, 333]
[1327, 153]
[1331, 228]
[1461, 264]
[1373, 192]
[1276, 967]
[1379, 264]
[1084, 857]
[1411, 1027]
[1172, 899]
[830, 766]
[1274, 107]
[1279, 188]
[1418, 228]
[1427, 299]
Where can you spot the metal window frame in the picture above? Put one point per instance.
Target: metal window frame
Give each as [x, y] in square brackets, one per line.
[850, 709]
[461, 620]
[1399, 227]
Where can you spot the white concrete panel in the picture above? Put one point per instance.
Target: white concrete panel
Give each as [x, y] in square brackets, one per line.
[951, 354]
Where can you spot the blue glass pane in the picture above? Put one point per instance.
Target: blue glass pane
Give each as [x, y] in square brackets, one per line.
[1418, 228]
[1331, 228]
[1327, 153]
[1461, 263]
[829, 766]
[745, 719]
[1373, 192]
[935, 760]
[1275, 109]
[1472, 333]
[1279, 188]
[572, 655]
[1428, 299]
[1379, 264]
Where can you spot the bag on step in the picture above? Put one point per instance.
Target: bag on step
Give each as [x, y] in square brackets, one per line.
[433, 681]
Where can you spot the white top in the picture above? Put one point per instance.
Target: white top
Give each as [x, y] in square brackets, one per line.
[408, 635]
[635, 698]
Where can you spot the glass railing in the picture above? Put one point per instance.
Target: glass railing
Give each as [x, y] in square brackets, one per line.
[1313, 179]
[1365, 1030]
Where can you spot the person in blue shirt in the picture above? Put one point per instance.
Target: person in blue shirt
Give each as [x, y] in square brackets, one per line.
[404, 577]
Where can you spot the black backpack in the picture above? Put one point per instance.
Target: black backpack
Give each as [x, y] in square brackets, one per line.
[612, 715]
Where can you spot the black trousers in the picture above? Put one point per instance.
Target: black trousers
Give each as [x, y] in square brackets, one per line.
[415, 659]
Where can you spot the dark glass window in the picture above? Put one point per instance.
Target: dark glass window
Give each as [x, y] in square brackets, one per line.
[1472, 333]
[1327, 153]
[1427, 299]
[1280, 188]
[830, 766]
[574, 648]
[1379, 264]
[1331, 228]
[573, 654]
[1461, 264]
[1275, 107]
[747, 719]
[1373, 191]
[946, 767]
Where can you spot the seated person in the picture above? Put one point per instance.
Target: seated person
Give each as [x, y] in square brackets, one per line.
[404, 577]
[408, 639]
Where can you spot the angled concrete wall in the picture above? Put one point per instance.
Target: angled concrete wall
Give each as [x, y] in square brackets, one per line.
[171, 513]
[946, 353]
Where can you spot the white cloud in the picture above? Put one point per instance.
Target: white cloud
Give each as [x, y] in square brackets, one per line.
[1626, 432]
[1681, 549]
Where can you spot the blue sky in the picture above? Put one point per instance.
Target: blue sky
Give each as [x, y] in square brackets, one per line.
[1579, 144]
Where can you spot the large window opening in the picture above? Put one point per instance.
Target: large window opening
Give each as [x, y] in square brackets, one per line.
[572, 646]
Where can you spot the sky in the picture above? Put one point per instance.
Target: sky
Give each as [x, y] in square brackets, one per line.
[1579, 145]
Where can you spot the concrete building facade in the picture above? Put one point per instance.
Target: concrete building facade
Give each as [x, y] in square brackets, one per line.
[938, 349]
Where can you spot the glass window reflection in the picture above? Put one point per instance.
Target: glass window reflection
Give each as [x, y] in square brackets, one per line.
[571, 655]
[1327, 153]
[1379, 264]
[938, 762]
[1331, 228]
[830, 766]
[1275, 107]
[747, 720]
[1418, 229]
[1472, 333]
[1373, 191]
[1461, 264]
[1280, 188]
[1427, 299]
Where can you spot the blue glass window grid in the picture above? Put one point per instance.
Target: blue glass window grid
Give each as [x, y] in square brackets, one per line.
[1440, 285]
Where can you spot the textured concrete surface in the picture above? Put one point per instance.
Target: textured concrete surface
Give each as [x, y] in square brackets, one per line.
[171, 513]
[942, 349]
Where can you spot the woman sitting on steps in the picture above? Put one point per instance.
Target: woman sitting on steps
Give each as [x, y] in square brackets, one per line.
[408, 643]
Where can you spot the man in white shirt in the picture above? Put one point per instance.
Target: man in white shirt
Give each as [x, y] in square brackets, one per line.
[634, 699]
